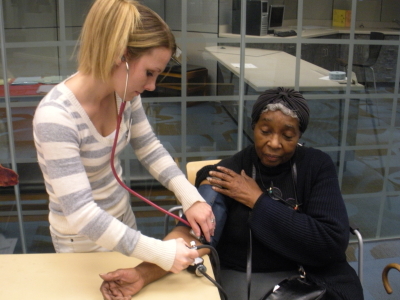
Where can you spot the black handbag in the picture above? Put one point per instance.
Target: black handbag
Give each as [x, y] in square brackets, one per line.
[296, 288]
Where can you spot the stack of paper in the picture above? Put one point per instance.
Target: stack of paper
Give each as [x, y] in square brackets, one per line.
[26, 80]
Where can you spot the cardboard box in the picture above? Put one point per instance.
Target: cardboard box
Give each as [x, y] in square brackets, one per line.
[348, 18]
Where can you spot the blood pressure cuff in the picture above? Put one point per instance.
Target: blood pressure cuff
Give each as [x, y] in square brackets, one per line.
[218, 205]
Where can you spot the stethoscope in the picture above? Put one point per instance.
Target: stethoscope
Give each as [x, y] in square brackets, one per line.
[119, 120]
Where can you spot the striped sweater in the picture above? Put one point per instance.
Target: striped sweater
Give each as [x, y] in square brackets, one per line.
[85, 198]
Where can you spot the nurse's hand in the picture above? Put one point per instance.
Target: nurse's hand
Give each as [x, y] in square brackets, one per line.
[184, 256]
[200, 215]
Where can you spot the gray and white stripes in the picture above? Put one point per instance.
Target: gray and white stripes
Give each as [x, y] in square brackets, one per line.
[85, 198]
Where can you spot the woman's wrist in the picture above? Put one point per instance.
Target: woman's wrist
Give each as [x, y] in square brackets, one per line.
[161, 253]
[186, 193]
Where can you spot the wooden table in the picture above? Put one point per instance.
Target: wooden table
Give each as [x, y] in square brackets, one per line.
[76, 276]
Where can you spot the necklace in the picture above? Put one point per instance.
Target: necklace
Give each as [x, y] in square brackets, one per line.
[275, 193]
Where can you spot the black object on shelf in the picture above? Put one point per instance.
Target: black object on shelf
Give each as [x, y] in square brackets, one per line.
[285, 33]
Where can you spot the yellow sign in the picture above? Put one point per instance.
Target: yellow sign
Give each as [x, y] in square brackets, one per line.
[339, 18]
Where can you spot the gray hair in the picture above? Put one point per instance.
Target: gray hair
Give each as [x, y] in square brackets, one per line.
[281, 107]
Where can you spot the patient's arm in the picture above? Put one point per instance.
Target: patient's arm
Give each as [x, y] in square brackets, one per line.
[127, 282]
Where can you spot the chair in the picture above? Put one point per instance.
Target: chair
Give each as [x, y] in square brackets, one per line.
[194, 166]
[373, 55]
[356, 231]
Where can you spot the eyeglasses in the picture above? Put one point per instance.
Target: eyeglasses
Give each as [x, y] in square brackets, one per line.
[276, 194]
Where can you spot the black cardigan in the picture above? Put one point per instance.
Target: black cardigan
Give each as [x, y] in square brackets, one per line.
[315, 237]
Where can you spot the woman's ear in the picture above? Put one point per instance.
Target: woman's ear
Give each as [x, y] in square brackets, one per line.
[120, 60]
[123, 58]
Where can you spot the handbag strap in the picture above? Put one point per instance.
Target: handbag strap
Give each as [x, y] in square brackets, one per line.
[294, 179]
[248, 267]
[250, 248]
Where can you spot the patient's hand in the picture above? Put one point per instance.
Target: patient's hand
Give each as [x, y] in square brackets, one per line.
[240, 187]
[121, 284]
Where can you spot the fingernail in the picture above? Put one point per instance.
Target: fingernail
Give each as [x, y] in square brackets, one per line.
[208, 178]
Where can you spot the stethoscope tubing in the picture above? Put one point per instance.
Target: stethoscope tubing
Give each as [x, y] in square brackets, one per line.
[119, 119]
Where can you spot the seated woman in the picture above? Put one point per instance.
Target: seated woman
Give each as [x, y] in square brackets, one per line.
[285, 196]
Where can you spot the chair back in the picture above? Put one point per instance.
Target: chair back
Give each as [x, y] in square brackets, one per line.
[374, 50]
[194, 166]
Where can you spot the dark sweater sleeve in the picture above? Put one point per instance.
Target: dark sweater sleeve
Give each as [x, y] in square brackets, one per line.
[316, 236]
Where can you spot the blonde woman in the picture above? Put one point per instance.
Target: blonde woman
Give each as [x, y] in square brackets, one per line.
[124, 46]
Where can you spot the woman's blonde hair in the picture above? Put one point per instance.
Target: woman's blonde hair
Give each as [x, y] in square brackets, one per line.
[113, 26]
